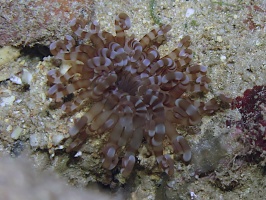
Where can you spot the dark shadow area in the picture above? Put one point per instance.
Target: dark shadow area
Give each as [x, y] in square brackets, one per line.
[37, 50]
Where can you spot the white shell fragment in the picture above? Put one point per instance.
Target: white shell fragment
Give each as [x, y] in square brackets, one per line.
[190, 11]
[15, 79]
[78, 154]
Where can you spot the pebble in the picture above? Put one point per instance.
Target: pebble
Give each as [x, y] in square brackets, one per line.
[26, 76]
[7, 101]
[219, 39]
[16, 133]
[223, 58]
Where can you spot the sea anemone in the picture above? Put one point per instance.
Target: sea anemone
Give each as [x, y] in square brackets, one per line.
[136, 93]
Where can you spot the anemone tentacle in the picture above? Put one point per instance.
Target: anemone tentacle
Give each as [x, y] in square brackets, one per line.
[137, 93]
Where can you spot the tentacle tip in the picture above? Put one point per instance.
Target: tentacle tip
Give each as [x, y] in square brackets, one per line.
[73, 131]
[187, 156]
[127, 165]
[53, 46]
[73, 22]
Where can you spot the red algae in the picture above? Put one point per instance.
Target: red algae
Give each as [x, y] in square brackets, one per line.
[253, 122]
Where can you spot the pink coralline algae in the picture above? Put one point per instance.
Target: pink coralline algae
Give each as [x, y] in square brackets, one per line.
[136, 93]
[32, 22]
[253, 117]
